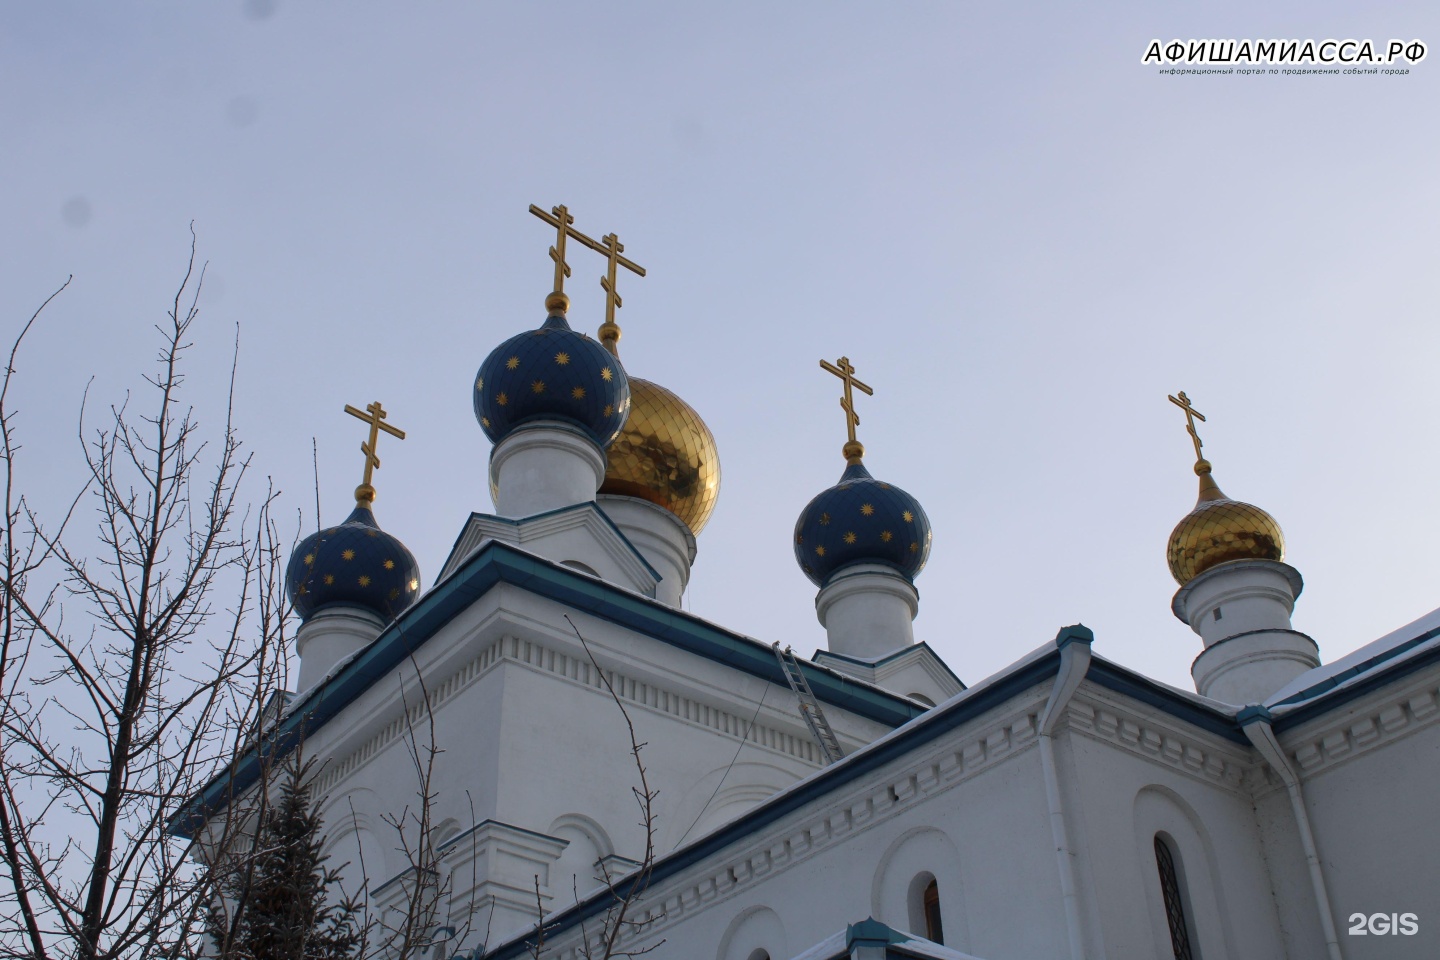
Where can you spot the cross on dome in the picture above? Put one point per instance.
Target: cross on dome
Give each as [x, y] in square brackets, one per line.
[612, 248]
[845, 370]
[373, 414]
[562, 221]
[1202, 466]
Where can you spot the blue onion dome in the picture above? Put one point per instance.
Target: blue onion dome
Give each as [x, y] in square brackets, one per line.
[861, 520]
[553, 373]
[355, 564]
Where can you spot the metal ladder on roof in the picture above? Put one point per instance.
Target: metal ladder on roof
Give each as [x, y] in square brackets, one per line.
[809, 706]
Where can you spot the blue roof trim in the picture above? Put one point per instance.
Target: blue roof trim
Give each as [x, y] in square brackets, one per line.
[594, 508]
[1133, 685]
[1075, 633]
[1255, 713]
[832, 655]
[939, 720]
[1381, 677]
[1334, 680]
[872, 933]
[491, 564]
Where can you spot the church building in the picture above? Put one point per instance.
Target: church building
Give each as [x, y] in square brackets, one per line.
[863, 802]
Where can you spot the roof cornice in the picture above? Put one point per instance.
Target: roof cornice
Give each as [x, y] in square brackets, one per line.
[496, 563]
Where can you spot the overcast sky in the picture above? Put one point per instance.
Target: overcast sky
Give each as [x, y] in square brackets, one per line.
[1021, 236]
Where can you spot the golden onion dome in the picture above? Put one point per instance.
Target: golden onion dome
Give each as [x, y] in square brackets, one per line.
[1219, 530]
[665, 453]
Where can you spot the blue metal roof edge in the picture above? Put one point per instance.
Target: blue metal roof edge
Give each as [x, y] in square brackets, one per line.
[1333, 698]
[872, 933]
[1115, 677]
[491, 564]
[1334, 680]
[938, 721]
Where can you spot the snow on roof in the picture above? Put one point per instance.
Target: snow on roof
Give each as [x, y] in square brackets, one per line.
[873, 933]
[1395, 647]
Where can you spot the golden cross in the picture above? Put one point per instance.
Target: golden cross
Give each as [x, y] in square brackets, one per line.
[560, 219]
[854, 450]
[611, 246]
[374, 414]
[1191, 415]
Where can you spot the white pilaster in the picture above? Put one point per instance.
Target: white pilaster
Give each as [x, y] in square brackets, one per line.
[492, 873]
[329, 636]
[544, 466]
[867, 611]
[1241, 610]
[662, 539]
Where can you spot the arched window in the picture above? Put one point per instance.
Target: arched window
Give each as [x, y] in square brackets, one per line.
[930, 904]
[1173, 891]
[923, 905]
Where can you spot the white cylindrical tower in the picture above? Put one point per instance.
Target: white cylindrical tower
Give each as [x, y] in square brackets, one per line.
[862, 542]
[662, 539]
[1236, 593]
[542, 466]
[1241, 610]
[331, 635]
[867, 611]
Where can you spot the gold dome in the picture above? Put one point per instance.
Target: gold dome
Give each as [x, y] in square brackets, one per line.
[665, 454]
[1219, 530]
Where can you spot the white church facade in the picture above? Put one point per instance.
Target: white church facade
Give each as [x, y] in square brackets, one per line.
[861, 804]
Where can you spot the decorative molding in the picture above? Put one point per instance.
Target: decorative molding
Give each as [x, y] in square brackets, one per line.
[1366, 725]
[1147, 735]
[926, 773]
[643, 693]
[439, 694]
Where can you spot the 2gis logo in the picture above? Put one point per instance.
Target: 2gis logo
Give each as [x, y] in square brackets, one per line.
[1383, 924]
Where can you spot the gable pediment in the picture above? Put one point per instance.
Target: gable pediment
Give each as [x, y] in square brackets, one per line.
[580, 537]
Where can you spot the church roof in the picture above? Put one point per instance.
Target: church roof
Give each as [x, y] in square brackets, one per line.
[1398, 653]
[496, 563]
[1381, 661]
[872, 933]
[1038, 666]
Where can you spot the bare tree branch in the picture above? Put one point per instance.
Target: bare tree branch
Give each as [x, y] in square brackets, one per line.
[626, 891]
[106, 730]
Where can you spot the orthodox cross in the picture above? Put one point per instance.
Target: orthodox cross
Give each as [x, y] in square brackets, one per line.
[374, 414]
[843, 369]
[1191, 415]
[611, 246]
[561, 220]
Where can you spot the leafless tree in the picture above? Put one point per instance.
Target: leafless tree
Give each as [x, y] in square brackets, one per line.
[619, 923]
[419, 926]
[137, 652]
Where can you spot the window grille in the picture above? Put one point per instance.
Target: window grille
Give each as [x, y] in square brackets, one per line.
[1174, 901]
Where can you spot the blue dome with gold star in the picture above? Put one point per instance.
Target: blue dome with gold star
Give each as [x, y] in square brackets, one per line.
[861, 520]
[552, 373]
[355, 564]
